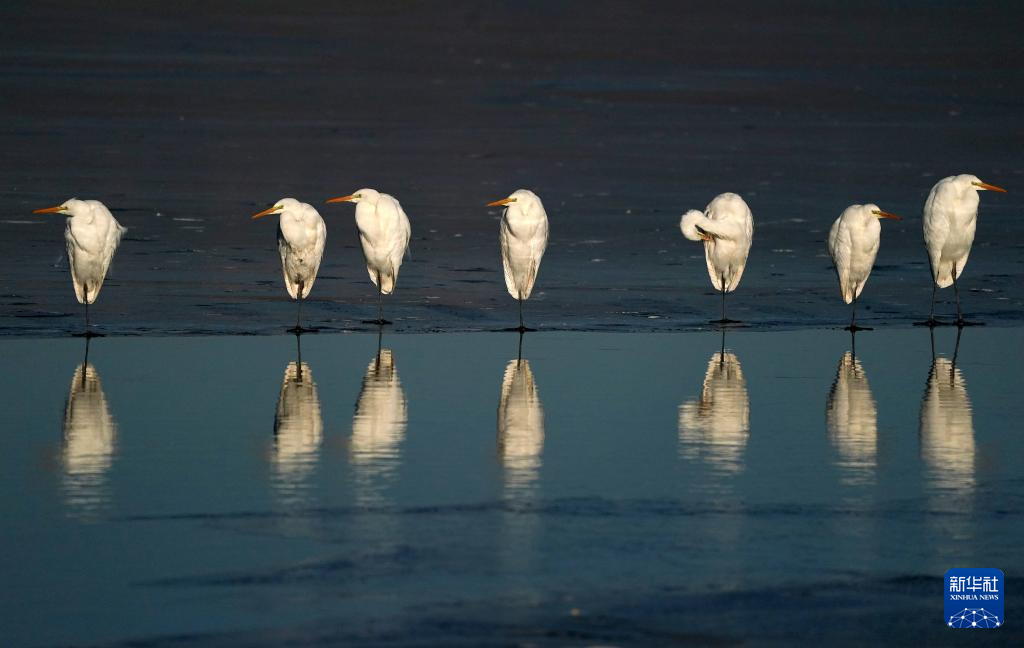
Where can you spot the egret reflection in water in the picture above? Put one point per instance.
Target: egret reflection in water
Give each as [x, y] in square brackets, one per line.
[947, 423]
[298, 431]
[89, 443]
[715, 427]
[378, 427]
[520, 426]
[851, 416]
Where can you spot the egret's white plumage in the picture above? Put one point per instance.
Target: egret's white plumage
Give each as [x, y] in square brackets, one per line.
[92, 236]
[727, 228]
[523, 234]
[301, 238]
[384, 233]
[950, 220]
[853, 244]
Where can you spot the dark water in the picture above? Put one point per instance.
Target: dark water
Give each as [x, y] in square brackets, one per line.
[607, 489]
[187, 117]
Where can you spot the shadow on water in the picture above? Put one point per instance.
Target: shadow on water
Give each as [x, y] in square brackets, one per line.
[520, 451]
[851, 417]
[298, 433]
[947, 424]
[520, 428]
[378, 428]
[89, 443]
[715, 428]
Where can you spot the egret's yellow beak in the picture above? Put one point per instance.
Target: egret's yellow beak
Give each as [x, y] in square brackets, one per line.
[885, 214]
[988, 187]
[49, 210]
[267, 212]
[339, 199]
[499, 203]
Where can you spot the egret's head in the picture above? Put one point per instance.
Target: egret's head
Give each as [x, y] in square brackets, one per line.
[370, 196]
[873, 210]
[73, 207]
[524, 199]
[968, 181]
[280, 207]
[689, 225]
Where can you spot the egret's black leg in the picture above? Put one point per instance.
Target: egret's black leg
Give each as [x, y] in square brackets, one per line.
[960, 321]
[956, 291]
[931, 322]
[380, 301]
[723, 299]
[297, 329]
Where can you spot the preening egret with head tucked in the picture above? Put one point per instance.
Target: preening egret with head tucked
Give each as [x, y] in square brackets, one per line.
[726, 227]
[92, 235]
[853, 243]
[301, 237]
[384, 233]
[950, 219]
[523, 234]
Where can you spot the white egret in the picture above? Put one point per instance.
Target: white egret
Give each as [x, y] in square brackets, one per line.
[301, 237]
[853, 243]
[726, 227]
[950, 218]
[524, 237]
[384, 233]
[92, 236]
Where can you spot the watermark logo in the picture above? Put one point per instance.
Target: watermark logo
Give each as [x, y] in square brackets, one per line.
[974, 598]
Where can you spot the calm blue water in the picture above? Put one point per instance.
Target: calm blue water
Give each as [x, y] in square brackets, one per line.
[607, 489]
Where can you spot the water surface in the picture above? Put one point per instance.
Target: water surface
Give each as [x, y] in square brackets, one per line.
[598, 489]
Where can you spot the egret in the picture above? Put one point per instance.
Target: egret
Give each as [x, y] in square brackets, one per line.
[92, 236]
[301, 237]
[384, 232]
[950, 218]
[853, 243]
[726, 227]
[524, 237]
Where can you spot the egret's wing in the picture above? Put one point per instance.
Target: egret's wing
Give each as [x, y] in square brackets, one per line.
[69, 241]
[936, 231]
[285, 249]
[840, 247]
[538, 244]
[505, 239]
[318, 255]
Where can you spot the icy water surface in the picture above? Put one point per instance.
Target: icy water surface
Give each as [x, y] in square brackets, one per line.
[604, 489]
